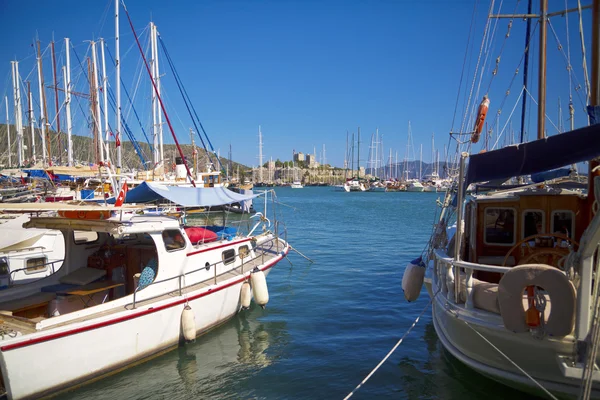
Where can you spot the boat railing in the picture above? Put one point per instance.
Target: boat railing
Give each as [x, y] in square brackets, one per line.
[263, 248]
[50, 263]
[446, 271]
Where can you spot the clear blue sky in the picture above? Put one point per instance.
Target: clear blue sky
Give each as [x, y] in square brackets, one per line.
[306, 71]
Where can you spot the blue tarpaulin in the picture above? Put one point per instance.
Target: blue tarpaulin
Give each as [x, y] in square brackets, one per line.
[538, 156]
[185, 196]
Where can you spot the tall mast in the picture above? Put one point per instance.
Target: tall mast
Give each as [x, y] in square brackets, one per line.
[31, 127]
[260, 156]
[434, 173]
[42, 102]
[67, 84]
[357, 154]
[118, 80]
[155, 107]
[97, 103]
[18, 111]
[8, 130]
[542, 77]
[56, 101]
[421, 163]
[157, 80]
[105, 98]
[525, 70]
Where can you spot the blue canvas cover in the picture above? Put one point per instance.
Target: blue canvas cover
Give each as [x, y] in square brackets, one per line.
[185, 196]
[538, 156]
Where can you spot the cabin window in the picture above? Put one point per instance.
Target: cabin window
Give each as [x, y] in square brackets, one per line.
[173, 240]
[499, 226]
[533, 223]
[35, 265]
[244, 251]
[228, 256]
[563, 222]
[84, 237]
[4, 270]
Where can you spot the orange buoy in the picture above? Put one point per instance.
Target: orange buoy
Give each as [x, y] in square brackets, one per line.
[85, 214]
[481, 113]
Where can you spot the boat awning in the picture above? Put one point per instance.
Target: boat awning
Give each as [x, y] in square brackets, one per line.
[540, 155]
[185, 196]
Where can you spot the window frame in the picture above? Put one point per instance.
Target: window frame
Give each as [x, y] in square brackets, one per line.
[514, 210]
[523, 220]
[165, 244]
[231, 259]
[572, 230]
[29, 269]
[87, 242]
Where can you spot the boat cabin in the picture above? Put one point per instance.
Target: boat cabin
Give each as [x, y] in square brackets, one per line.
[114, 263]
[522, 227]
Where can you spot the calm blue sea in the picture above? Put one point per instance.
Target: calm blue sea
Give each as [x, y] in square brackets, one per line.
[327, 324]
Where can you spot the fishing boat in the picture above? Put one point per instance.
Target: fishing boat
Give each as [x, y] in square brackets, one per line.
[131, 287]
[512, 282]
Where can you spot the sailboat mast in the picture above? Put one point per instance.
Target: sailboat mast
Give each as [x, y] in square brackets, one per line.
[56, 101]
[526, 69]
[542, 76]
[260, 156]
[358, 153]
[31, 127]
[155, 109]
[7, 129]
[157, 80]
[118, 80]
[105, 98]
[18, 111]
[42, 115]
[421, 163]
[97, 103]
[67, 83]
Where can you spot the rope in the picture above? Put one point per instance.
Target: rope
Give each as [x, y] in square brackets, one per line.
[391, 351]
[584, 60]
[509, 117]
[187, 169]
[512, 362]
[462, 74]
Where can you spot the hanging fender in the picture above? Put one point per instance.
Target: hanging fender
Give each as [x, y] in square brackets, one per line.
[479, 121]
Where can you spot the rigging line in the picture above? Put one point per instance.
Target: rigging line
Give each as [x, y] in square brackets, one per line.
[130, 102]
[495, 72]
[185, 98]
[462, 74]
[486, 31]
[391, 351]
[583, 52]
[509, 118]
[547, 117]
[569, 67]
[487, 53]
[511, 361]
[187, 168]
[568, 50]
[191, 104]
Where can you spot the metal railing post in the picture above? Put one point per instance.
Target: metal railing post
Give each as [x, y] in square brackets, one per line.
[459, 228]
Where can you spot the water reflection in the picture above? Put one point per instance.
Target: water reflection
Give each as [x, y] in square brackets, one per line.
[217, 364]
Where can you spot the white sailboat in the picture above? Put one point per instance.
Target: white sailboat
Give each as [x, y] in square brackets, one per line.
[513, 284]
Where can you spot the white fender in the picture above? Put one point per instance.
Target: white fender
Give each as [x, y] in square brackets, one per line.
[259, 287]
[412, 280]
[188, 323]
[245, 295]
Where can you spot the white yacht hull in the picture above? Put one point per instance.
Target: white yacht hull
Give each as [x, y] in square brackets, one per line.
[58, 358]
[414, 188]
[455, 327]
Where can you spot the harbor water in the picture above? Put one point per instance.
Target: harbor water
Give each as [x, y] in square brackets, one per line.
[327, 324]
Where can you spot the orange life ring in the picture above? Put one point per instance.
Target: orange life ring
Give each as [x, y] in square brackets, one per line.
[85, 214]
[481, 114]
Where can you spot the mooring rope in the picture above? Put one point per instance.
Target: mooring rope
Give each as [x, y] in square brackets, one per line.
[390, 352]
[512, 362]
